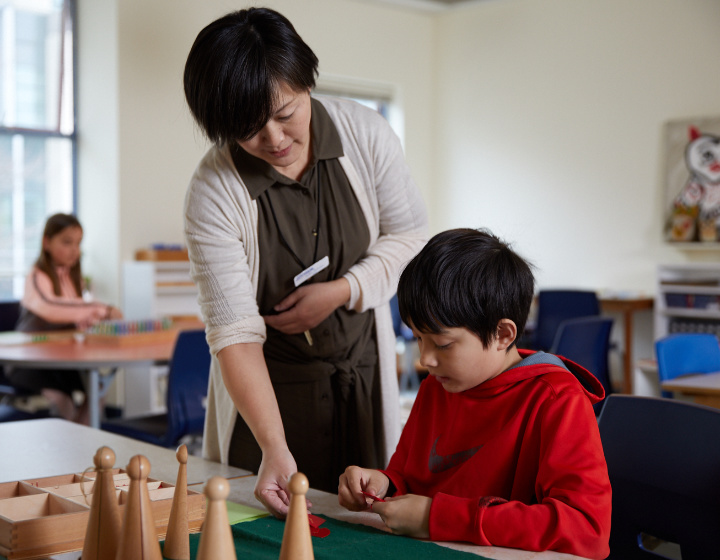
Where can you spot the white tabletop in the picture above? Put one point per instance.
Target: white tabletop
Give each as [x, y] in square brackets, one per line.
[48, 447]
[241, 491]
[705, 382]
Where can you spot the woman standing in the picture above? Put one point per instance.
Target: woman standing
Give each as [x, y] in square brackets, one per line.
[298, 221]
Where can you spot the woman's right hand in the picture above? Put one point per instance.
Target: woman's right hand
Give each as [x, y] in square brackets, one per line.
[276, 468]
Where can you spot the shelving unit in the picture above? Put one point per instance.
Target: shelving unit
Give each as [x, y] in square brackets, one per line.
[156, 289]
[156, 285]
[687, 299]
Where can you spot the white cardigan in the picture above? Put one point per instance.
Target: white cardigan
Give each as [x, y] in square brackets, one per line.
[221, 234]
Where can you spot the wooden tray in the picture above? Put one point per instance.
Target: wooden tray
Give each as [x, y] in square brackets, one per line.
[45, 516]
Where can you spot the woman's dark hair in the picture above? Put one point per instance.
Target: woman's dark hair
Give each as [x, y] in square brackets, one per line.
[235, 68]
[54, 225]
[466, 278]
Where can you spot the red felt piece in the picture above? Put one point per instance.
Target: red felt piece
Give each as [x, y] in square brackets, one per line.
[315, 529]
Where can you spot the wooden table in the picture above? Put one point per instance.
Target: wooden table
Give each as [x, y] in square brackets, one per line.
[704, 388]
[41, 448]
[627, 307]
[67, 352]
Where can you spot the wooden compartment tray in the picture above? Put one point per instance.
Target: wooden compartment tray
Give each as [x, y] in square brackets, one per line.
[45, 516]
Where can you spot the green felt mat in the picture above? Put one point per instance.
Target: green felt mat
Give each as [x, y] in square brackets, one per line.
[262, 539]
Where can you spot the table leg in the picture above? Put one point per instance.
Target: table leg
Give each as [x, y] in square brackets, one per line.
[94, 396]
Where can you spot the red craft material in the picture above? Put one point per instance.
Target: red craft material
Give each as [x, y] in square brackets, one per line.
[315, 529]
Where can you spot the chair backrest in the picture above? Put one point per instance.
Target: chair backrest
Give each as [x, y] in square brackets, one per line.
[586, 341]
[9, 315]
[400, 328]
[556, 306]
[187, 384]
[685, 353]
[663, 460]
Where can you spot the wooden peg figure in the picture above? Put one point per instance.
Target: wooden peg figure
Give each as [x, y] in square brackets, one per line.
[297, 543]
[216, 541]
[177, 540]
[138, 540]
[104, 523]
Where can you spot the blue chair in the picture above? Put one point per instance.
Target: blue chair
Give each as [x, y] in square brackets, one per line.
[586, 341]
[187, 389]
[663, 460]
[554, 307]
[404, 339]
[683, 354]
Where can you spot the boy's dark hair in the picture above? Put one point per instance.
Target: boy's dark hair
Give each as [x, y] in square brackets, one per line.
[466, 278]
[235, 68]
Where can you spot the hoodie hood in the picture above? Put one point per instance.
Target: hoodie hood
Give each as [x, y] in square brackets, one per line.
[592, 388]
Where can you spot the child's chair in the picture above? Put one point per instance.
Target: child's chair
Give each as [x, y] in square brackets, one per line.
[686, 353]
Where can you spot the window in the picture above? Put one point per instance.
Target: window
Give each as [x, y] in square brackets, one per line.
[381, 97]
[37, 129]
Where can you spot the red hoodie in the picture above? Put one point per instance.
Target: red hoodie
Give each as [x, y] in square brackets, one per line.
[516, 461]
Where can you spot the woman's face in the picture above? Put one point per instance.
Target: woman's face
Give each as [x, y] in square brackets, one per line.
[284, 141]
[64, 246]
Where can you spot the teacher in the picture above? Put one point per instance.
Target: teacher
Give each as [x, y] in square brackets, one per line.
[298, 221]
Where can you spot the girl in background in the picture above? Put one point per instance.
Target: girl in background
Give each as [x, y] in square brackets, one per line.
[53, 300]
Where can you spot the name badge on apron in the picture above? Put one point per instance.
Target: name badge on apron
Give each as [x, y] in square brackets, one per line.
[311, 271]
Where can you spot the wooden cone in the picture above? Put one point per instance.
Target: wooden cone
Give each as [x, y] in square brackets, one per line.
[216, 541]
[297, 543]
[139, 540]
[177, 540]
[104, 524]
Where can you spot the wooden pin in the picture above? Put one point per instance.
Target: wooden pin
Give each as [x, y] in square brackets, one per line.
[297, 543]
[177, 540]
[139, 540]
[105, 522]
[216, 540]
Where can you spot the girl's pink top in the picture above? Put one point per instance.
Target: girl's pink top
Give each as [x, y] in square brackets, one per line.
[66, 308]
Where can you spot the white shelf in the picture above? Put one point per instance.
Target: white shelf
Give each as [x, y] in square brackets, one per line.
[152, 290]
[691, 313]
[698, 280]
[155, 289]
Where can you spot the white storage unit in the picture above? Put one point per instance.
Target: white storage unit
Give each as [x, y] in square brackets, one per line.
[145, 391]
[155, 289]
[687, 299]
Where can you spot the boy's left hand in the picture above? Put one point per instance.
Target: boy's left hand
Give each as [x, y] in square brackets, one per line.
[406, 515]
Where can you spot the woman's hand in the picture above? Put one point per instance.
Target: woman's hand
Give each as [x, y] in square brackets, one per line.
[354, 481]
[308, 306]
[406, 515]
[276, 468]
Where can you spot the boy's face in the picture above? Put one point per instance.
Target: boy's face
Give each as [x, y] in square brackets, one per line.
[458, 360]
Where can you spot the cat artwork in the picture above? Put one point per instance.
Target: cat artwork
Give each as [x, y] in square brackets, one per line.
[695, 213]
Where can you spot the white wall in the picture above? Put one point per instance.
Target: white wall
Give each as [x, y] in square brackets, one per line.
[133, 113]
[540, 119]
[550, 118]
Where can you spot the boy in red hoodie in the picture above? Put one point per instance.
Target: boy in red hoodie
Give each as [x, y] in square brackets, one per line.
[502, 447]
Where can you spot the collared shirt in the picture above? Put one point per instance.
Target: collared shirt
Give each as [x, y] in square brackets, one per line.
[287, 224]
[328, 393]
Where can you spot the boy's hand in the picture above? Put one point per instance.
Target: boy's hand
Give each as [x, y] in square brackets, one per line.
[406, 515]
[354, 481]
